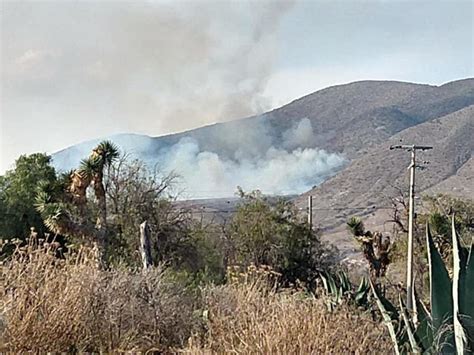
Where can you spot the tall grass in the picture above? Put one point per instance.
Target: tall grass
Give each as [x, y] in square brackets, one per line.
[253, 317]
[51, 304]
[70, 305]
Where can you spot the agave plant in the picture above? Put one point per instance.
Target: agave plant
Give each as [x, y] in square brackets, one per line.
[339, 289]
[449, 327]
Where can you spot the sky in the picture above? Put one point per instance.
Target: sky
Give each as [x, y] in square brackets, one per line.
[77, 70]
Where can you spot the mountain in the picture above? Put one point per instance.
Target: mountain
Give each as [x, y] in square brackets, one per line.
[374, 177]
[373, 110]
[354, 124]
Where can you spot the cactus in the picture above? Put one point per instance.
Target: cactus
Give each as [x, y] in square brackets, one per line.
[449, 328]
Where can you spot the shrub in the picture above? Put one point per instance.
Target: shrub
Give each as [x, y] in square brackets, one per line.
[51, 304]
[68, 304]
[273, 234]
[250, 316]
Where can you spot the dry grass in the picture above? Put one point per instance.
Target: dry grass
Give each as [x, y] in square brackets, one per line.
[68, 305]
[250, 317]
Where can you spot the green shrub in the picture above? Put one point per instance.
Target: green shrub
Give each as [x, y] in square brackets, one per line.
[273, 234]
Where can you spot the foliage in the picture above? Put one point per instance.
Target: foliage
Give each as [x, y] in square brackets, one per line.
[339, 289]
[439, 209]
[18, 188]
[263, 233]
[135, 194]
[436, 210]
[102, 203]
[450, 325]
[69, 305]
[356, 227]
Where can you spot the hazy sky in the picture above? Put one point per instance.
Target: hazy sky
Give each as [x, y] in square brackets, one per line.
[76, 70]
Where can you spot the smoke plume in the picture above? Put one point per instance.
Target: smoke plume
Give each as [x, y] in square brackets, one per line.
[281, 168]
[212, 162]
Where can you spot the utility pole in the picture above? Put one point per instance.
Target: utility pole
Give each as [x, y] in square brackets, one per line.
[411, 215]
[145, 246]
[310, 212]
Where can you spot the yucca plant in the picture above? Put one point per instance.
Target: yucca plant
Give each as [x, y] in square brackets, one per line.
[58, 215]
[449, 327]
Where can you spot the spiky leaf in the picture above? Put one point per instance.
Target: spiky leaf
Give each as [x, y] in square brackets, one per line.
[440, 296]
[440, 285]
[424, 331]
[409, 327]
[459, 274]
[356, 226]
[362, 292]
[108, 152]
[390, 317]
[90, 166]
[465, 281]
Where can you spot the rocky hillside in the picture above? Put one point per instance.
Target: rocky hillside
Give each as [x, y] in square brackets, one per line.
[347, 119]
[351, 118]
[374, 176]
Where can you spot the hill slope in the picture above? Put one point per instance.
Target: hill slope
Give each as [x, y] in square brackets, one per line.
[365, 186]
[370, 179]
[357, 121]
[344, 118]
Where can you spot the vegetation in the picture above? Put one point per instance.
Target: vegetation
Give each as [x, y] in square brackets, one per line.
[340, 290]
[18, 190]
[260, 282]
[262, 233]
[375, 248]
[71, 305]
[449, 327]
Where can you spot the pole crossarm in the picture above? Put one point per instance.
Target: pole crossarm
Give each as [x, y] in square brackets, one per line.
[410, 147]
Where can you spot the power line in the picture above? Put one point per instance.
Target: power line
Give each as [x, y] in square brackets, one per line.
[202, 209]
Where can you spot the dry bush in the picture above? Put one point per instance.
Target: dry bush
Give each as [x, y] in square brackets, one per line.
[252, 317]
[51, 304]
[69, 305]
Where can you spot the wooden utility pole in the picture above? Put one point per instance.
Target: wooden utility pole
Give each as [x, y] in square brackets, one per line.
[411, 215]
[310, 212]
[145, 246]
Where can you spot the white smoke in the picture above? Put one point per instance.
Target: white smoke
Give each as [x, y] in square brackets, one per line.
[292, 168]
[237, 153]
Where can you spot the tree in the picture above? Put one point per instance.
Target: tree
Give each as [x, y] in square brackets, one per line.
[272, 234]
[136, 193]
[18, 189]
[68, 214]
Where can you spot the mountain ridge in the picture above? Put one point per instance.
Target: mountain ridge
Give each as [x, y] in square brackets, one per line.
[349, 120]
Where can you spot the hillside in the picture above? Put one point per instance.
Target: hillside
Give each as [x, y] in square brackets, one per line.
[345, 119]
[369, 180]
[364, 188]
[357, 122]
